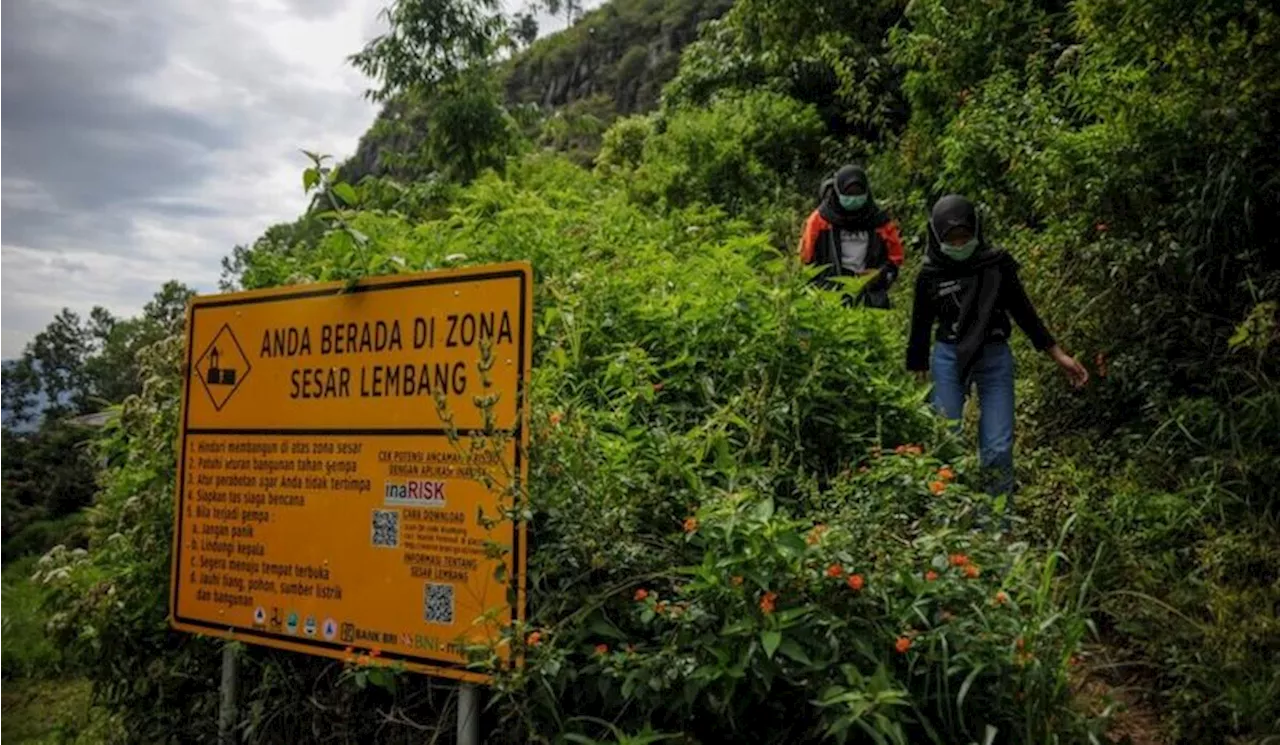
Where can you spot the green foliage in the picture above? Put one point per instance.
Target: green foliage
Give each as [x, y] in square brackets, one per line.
[577, 130]
[1122, 149]
[682, 370]
[48, 474]
[740, 153]
[29, 651]
[830, 55]
[430, 43]
[54, 712]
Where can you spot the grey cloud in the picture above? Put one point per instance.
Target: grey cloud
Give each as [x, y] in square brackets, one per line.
[315, 9]
[75, 129]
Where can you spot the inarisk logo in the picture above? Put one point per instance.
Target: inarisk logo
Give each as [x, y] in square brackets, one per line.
[418, 493]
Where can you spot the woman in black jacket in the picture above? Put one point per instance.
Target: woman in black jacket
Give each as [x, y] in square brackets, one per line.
[969, 290]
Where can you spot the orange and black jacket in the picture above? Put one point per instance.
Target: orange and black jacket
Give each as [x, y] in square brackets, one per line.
[820, 244]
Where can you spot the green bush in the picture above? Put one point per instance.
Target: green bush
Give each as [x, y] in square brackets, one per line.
[29, 650]
[696, 409]
[742, 152]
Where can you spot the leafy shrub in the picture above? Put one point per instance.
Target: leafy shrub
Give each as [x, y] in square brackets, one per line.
[740, 152]
[29, 651]
[696, 408]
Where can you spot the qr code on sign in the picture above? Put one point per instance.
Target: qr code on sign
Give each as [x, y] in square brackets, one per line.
[386, 528]
[437, 603]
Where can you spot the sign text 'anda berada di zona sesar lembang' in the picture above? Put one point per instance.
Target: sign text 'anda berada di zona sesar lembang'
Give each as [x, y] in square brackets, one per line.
[330, 494]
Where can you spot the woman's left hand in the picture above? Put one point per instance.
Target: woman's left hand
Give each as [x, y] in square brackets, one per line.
[1074, 370]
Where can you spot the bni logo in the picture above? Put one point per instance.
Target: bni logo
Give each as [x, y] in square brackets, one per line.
[419, 493]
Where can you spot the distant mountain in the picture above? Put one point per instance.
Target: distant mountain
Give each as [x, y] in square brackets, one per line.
[612, 62]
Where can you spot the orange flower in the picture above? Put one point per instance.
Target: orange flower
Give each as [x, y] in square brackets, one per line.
[362, 659]
[641, 594]
[1001, 598]
[946, 474]
[534, 639]
[930, 576]
[913, 450]
[602, 649]
[690, 524]
[902, 645]
[348, 650]
[1020, 643]
[972, 571]
[661, 607]
[658, 387]
[937, 487]
[736, 580]
[835, 570]
[555, 418]
[856, 581]
[767, 602]
[816, 534]
[958, 560]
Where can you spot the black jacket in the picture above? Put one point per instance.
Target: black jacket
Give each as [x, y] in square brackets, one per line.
[937, 298]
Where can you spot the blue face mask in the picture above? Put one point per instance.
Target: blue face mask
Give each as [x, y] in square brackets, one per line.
[852, 202]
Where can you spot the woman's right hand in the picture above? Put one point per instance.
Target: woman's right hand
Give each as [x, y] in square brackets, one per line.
[1074, 370]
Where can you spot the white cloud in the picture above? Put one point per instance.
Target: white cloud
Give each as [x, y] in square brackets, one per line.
[178, 160]
[146, 138]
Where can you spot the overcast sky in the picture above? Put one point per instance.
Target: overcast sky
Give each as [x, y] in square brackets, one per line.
[142, 139]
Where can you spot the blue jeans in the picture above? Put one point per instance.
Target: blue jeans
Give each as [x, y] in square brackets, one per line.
[993, 373]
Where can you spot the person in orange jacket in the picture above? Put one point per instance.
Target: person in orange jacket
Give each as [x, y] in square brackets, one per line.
[850, 236]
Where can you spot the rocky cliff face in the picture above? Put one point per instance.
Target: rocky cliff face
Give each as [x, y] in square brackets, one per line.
[627, 50]
[614, 60]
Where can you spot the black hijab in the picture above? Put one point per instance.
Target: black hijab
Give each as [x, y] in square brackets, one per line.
[867, 217]
[986, 265]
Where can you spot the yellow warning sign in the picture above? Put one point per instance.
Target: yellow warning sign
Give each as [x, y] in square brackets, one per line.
[349, 459]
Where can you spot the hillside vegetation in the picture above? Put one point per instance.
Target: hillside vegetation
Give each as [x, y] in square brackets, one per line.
[748, 526]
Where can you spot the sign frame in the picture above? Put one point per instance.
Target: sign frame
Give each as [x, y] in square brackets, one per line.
[336, 649]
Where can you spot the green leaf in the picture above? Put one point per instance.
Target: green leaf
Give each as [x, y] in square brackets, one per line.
[791, 649]
[792, 544]
[770, 640]
[964, 687]
[310, 178]
[763, 510]
[346, 193]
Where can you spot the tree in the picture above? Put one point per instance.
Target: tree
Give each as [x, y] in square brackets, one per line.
[18, 387]
[439, 54]
[430, 43]
[58, 356]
